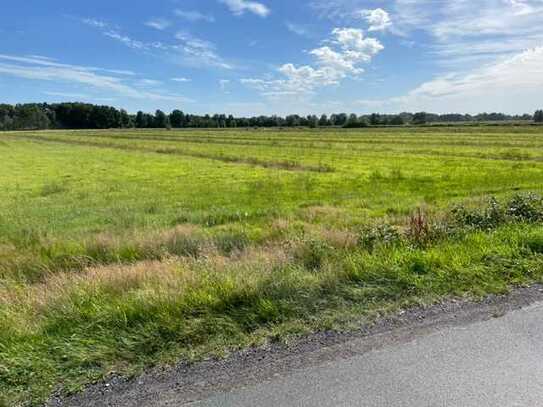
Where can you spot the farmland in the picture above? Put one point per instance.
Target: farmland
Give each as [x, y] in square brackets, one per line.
[121, 249]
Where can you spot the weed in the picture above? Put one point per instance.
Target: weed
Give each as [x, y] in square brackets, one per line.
[52, 188]
[534, 242]
[231, 241]
[311, 253]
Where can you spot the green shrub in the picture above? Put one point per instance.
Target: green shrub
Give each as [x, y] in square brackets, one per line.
[484, 218]
[526, 207]
[418, 265]
[383, 234]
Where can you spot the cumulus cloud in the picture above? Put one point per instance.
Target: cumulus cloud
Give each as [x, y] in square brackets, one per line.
[239, 7]
[378, 19]
[344, 55]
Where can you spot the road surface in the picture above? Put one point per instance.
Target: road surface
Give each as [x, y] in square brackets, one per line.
[493, 363]
[457, 353]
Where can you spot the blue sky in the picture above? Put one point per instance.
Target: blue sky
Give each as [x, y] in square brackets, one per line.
[276, 56]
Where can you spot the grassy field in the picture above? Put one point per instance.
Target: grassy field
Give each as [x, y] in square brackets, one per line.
[123, 249]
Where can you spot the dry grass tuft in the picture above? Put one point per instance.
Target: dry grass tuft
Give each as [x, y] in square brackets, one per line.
[322, 213]
[340, 239]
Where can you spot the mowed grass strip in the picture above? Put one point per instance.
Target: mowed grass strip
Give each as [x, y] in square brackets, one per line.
[289, 150]
[376, 142]
[116, 259]
[285, 165]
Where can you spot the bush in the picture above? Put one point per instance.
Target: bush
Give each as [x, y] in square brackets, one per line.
[526, 207]
[486, 218]
[383, 234]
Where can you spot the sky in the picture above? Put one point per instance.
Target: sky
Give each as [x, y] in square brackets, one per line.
[246, 57]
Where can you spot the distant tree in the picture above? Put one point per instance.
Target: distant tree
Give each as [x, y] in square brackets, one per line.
[161, 120]
[323, 121]
[141, 120]
[30, 116]
[396, 121]
[231, 121]
[177, 119]
[293, 120]
[419, 118]
[312, 121]
[375, 119]
[127, 121]
[340, 119]
[354, 121]
[87, 116]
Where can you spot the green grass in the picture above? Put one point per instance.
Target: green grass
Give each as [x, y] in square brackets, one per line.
[123, 249]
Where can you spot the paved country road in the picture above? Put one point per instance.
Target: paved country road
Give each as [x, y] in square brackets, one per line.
[492, 363]
[455, 354]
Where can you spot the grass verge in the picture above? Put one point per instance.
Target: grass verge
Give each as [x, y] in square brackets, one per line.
[193, 300]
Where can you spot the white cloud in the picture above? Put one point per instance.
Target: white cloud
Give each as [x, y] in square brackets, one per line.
[46, 70]
[65, 95]
[148, 83]
[461, 29]
[158, 23]
[95, 23]
[456, 25]
[223, 84]
[348, 49]
[197, 51]
[129, 42]
[298, 29]
[239, 7]
[188, 50]
[511, 85]
[194, 16]
[181, 80]
[340, 62]
[378, 19]
[355, 45]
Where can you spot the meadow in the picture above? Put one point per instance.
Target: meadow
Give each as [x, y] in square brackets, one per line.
[124, 249]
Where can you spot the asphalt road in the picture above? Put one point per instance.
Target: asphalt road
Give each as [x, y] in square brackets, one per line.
[455, 353]
[497, 362]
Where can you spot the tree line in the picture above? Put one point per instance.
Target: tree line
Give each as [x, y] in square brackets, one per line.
[33, 116]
